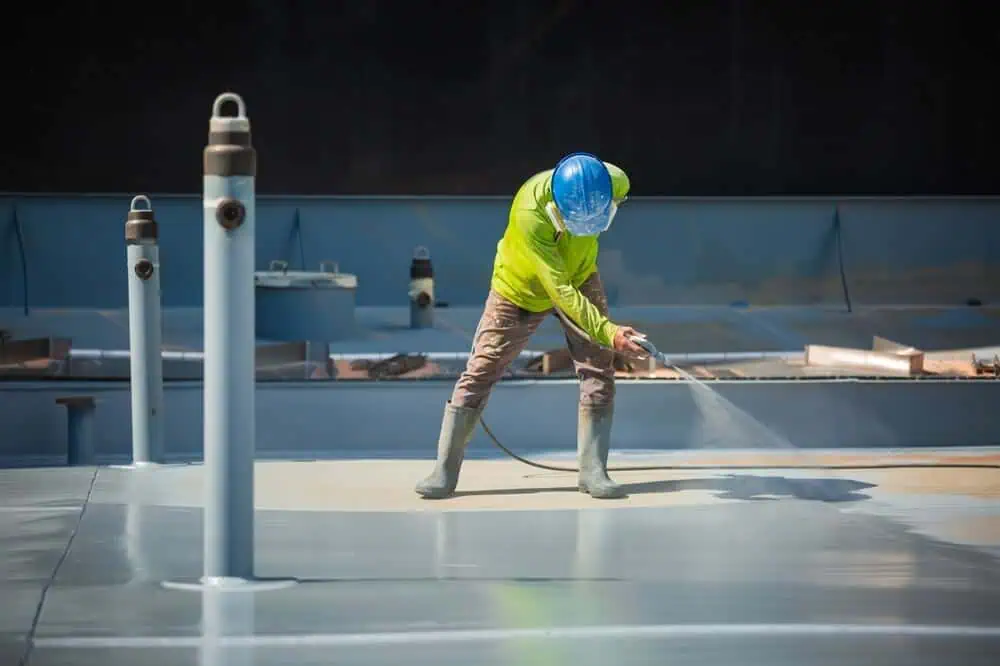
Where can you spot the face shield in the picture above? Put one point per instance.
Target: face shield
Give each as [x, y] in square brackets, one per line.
[594, 225]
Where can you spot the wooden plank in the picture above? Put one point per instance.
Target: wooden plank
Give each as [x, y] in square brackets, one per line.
[909, 361]
[15, 352]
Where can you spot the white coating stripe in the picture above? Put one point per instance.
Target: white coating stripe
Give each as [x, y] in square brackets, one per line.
[656, 631]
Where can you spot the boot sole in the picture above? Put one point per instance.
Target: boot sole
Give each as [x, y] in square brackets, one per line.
[435, 495]
[620, 494]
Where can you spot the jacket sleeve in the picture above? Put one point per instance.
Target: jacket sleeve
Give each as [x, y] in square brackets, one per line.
[539, 238]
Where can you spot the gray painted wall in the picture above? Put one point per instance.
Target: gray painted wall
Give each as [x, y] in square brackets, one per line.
[660, 251]
[401, 419]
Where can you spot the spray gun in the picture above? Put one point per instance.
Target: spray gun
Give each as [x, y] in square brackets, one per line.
[662, 358]
[651, 350]
[642, 342]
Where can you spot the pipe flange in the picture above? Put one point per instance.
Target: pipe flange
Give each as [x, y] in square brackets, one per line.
[230, 213]
[144, 269]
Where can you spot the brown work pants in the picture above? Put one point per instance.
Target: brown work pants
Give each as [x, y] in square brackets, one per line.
[503, 333]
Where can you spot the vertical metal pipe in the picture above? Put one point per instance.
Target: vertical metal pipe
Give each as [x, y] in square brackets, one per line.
[421, 289]
[145, 332]
[80, 429]
[229, 171]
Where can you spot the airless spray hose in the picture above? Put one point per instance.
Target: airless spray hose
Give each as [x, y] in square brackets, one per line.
[662, 358]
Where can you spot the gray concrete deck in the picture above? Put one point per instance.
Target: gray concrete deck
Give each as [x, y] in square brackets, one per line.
[698, 566]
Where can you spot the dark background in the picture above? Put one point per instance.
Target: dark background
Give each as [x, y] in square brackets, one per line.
[417, 97]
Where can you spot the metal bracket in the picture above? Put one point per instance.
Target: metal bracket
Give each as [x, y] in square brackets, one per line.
[230, 213]
[144, 269]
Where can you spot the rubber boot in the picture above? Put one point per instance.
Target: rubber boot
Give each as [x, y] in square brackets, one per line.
[593, 445]
[456, 432]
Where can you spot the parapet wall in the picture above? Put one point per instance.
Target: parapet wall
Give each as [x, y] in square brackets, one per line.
[68, 251]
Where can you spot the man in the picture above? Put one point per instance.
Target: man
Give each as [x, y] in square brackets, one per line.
[547, 262]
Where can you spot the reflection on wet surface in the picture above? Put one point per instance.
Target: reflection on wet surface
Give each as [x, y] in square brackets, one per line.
[748, 567]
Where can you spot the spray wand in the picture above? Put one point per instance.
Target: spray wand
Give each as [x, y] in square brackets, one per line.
[655, 353]
[664, 360]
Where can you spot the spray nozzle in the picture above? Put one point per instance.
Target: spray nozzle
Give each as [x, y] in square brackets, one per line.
[645, 344]
[652, 350]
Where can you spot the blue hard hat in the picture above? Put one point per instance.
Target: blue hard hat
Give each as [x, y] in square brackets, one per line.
[581, 189]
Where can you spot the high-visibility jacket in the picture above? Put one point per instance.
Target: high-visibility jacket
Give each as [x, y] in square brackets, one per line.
[539, 266]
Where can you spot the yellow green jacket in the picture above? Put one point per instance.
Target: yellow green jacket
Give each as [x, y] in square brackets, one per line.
[537, 267]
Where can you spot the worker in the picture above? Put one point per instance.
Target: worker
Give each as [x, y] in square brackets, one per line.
[546, 263]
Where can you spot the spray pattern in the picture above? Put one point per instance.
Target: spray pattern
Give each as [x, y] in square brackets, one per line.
[725, 422]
